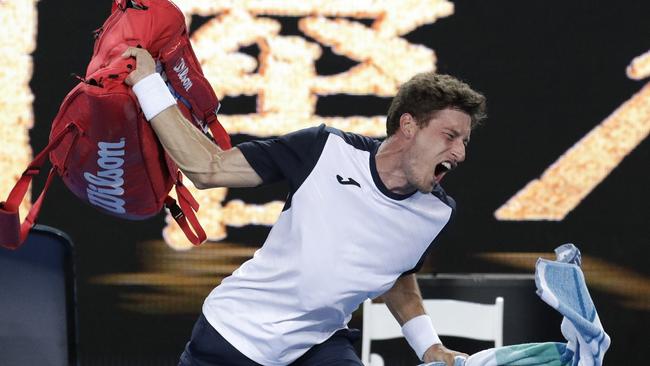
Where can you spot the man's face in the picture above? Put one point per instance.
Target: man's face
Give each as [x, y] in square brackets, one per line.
[437, 148]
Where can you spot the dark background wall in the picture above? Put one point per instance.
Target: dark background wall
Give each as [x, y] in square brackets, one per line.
[552, 71]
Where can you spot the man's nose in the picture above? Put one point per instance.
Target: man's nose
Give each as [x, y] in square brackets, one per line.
[458, 151]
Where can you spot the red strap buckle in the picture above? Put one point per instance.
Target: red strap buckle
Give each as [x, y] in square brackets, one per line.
[32, 171]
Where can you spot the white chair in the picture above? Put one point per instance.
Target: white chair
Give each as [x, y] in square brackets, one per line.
[450, 317]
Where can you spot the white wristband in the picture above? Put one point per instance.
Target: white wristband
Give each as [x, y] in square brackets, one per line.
[153, 95]
[420, 334]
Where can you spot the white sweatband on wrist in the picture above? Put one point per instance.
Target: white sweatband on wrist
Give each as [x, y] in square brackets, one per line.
[153, 95]
[420, 334]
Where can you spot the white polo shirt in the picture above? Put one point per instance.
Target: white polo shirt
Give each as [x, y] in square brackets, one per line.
[342, 237]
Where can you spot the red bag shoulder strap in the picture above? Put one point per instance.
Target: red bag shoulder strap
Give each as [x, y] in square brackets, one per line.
[184, 72]
[12, 232]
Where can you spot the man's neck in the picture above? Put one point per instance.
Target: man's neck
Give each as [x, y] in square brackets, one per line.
[389, 166]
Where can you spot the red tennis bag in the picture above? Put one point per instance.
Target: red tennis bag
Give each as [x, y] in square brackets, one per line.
[101, 145]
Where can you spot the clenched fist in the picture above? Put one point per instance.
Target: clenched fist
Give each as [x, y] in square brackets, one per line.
[144, 64]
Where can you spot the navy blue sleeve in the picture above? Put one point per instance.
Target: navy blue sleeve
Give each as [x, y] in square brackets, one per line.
[291, 157]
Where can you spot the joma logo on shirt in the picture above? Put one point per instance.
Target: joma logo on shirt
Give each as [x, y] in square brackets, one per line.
[105, 189]
[348, 181]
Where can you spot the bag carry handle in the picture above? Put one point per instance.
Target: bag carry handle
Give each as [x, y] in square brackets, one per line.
[124, 4]
[186, 212]
[12, 232]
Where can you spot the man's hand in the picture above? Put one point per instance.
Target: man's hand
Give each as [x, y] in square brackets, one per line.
[438, 352]
[144, 64]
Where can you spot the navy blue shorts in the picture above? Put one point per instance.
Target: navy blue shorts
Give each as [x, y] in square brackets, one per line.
[208, 348]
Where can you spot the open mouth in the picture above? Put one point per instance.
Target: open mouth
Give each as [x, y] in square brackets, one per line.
[442, 169]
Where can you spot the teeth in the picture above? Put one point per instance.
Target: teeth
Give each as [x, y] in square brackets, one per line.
[447, 165]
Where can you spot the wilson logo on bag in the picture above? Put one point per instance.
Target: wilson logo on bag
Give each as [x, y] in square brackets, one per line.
[105, 190]
[100, 143]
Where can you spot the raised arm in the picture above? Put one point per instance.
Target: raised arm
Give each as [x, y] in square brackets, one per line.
[201, 160]
[405, 303]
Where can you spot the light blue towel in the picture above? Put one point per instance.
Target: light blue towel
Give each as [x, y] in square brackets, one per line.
[560, 284]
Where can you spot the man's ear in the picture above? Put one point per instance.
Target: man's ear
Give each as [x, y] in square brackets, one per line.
[407, 125]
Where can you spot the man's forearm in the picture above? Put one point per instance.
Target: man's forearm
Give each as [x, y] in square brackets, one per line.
[192, 151]
[404, 300]
[201, 160]
[405, 303]
[196, 156]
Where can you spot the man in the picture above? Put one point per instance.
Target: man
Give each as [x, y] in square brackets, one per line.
[358, 220]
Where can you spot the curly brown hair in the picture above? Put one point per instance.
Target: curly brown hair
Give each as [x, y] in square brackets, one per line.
[427, 93]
